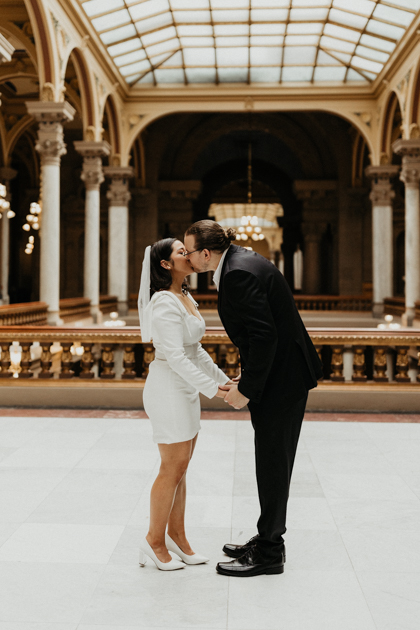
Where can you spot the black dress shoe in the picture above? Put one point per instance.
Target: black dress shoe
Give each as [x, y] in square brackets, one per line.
[236, 551]
[250, 564]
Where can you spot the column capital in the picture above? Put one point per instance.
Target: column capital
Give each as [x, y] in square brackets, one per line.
[92, 173]
[410, 152]
[382, 193]
[118, 193]
[50, 116]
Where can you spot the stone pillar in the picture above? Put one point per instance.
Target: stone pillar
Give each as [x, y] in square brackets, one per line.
[6, 175]
[410, 175]
[92, 175]
[312, 257]
[382, 241]
[51, 147]
[119, 197]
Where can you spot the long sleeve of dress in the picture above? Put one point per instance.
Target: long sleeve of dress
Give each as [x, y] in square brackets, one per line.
[210, 368]
[168, 327]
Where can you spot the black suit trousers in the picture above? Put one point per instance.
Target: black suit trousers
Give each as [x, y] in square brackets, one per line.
[277, 429]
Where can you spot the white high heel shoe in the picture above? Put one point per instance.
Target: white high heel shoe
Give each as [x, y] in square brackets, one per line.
[194, 559]
[147, 552]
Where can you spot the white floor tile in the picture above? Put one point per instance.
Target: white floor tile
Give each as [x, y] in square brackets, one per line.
[395, 551]
[44, 458]
[64, 439]
[356, 486]
[125, 459]
[375, 514]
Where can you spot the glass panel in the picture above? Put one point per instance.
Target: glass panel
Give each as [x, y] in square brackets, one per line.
[352, 75]
[393, 15]
[190, 4]
[195, 30]
[230, 16]
[365, 7]
[110, 20]
[233, 75]
[300, 28]
[94, 7]
[201, 75]
[147, 79]
[241, 40]
[182, 17]
[372, 54]
[341, 33]
[119, 33]
[311, 3]
[158, 36]
[270, 3]
[131, 79]
[174, 60]
[307, 15]
[172, 44]
[268, 29]
[158, 59]
[169, 76]
[197, 41]
[265, 75]
[133, 56]
[150, 7]
[302, 40]
[345, 57]
[365, 64]
[269, 15]
[296, 74]
[140, 66]
[266, 56]
[324, 59]
[299, 55]
[232, 56]
[124, 47]
[199, 56]
[347, 19]
[153, 23]
[414, 5]
[231, 4]
[266, 40]
[337, 44]
[330, 74]
[376, 42]
[231, 29]
[386, 30]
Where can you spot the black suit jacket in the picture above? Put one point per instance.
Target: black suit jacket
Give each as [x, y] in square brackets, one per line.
[259, 314]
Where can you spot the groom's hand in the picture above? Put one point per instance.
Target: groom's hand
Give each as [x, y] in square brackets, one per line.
[235, 398]
[221, 392]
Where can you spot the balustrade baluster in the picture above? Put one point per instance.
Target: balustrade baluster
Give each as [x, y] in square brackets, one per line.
[402, 365]
[129, 361]
[232, 361]
[107, 361]
[148, 357]
[66, 360]
[337, 364]
[418, 364]
[5, 360]
[87, 361]
[46, 360]
[211, 349]
[359, 364]
[380, 365]
[25, 360]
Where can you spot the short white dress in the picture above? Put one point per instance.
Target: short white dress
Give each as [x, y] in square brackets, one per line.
[181, 369]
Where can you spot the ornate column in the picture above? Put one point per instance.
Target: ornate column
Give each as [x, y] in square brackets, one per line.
[51, 147]
[410, 175]
[92, 175]
[382, 254]
[119, 197]
[6, 175]
[312, 257]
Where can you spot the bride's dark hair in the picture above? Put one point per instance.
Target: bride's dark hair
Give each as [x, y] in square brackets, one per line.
[160, 278]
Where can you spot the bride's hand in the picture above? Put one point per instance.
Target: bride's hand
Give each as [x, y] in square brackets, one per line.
[223, 390]
[237, 378]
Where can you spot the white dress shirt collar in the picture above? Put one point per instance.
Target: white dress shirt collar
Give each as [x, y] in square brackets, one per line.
[218, 272]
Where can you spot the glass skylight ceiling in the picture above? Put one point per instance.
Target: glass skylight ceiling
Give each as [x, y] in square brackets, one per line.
[156, 42]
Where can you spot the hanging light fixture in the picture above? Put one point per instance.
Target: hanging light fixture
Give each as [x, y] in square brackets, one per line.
[33, 221]
[249, 228]
[4, 204]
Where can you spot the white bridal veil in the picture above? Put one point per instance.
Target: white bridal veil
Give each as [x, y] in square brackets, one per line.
[145, 313]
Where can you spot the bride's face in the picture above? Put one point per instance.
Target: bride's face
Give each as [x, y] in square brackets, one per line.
[179, 264]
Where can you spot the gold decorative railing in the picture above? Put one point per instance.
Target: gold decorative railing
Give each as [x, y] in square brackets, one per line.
[348, 355]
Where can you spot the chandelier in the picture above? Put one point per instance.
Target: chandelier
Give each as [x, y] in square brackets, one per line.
[4, 204]
[249, 228]
[33, 221]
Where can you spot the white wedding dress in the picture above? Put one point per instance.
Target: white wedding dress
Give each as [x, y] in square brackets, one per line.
[181, 369]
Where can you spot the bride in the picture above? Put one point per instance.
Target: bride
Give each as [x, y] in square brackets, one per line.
[181, 369]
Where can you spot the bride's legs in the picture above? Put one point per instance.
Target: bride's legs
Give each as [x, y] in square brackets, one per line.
[176, 522]
[174, 463]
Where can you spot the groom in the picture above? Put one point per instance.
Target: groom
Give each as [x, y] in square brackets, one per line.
[279, 364]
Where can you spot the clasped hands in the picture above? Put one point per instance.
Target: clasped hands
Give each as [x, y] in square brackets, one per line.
[232, 395]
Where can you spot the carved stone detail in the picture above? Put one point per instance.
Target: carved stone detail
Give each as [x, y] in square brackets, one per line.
[92, 152]
[148, 357]
[129, 362]
[5, 360]
[66, 360]
[382, 193]
[232, 361]
[50, 116]
[107, 361]
[211, 349]
[402, 365]
[87, 361]
[46, 360]
[118, 193]
[25, 360]
[380, 365]
[410, 151]
[359, 364]
[337, 364]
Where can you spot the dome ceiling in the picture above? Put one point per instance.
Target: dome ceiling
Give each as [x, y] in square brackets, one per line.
[163, 42]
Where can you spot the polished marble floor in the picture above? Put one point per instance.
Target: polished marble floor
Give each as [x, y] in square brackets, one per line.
[74, 504]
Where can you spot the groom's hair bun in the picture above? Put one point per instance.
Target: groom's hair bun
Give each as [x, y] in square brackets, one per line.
[211, 235]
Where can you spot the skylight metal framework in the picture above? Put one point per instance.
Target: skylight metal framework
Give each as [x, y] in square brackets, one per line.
[154, 42]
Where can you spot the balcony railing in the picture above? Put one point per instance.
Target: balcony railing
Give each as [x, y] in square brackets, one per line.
[349, 355]
[35, 313]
